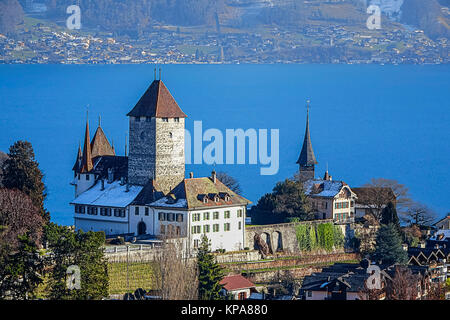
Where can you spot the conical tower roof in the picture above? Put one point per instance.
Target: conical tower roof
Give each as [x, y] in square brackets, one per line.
[77, 165]
[86, 162]
[157, 102]
[100, 145]
[307, 157]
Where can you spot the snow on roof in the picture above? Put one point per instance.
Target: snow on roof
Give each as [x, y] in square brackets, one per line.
[444, 232]
[323, 188]
[114, 195]
[164, 202]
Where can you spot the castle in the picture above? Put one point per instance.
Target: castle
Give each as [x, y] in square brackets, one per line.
[146, 192]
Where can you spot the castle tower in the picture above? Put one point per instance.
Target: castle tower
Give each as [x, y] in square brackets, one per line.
[156, 139]
[306, 160]
[84, 178]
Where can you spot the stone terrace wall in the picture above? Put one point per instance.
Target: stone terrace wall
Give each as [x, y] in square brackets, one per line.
[278, 237]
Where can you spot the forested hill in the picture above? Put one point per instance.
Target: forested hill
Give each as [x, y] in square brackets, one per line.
[136, 15]
[11, 14]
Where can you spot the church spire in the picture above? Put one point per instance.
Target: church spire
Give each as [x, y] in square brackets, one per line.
[307, 159]
[86, 162]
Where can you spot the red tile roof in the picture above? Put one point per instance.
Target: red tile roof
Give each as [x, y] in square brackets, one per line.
[236, 282]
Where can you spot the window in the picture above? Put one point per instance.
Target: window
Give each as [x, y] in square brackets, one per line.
[239, 213]
[136, 211]
[116, 213]
[137, 119]
[215, 215]
[196, 229]
[309, 293]
[226, 227]
[122, 213]
[176, 119]
[179, 217]
[148, 119]
[206, 228]
[196, 217]
[87, 177]
[227, 214]
[170, 135]
[216, 227]
[196, 242]
[147, 211]
[170, 217]
[162, 216]
[240, 225]
[178, 231]
[102, 211]
[163, 229]
[205, 215]
[165, 119]
[108, 212]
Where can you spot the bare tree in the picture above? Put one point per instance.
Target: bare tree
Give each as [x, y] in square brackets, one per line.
[18, 216]
[175, 275]
[377, 193]
[403, 285]
[229, 181]
[419, 214]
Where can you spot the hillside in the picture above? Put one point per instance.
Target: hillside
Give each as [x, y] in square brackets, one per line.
[429, 16]
[11, 14]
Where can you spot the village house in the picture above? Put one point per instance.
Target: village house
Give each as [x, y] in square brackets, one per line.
[239, 287]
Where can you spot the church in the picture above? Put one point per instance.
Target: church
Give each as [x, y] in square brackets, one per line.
[146, 192]
[330, 199]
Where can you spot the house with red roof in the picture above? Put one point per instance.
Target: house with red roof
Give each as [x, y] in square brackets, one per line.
[238, 286]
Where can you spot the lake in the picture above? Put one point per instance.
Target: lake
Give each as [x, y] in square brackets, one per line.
[365, 120]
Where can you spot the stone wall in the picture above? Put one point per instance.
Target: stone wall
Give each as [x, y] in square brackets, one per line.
[279, 237]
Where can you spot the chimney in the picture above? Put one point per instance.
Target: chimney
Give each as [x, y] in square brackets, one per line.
[110, 175]
[191, 175]
[213, 176]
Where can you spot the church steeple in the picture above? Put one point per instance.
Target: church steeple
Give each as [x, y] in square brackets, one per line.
[307, 159]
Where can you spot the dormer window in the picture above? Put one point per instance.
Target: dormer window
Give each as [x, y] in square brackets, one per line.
[216, 198]
[205, 199]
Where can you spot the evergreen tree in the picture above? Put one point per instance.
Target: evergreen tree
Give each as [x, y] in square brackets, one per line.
[388, 248]
[210, 273]
[21, 171]
[21, 270]
[81, 249]
[287, 200]
[389, 215]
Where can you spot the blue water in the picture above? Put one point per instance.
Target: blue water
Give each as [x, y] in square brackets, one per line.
[366, 121]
